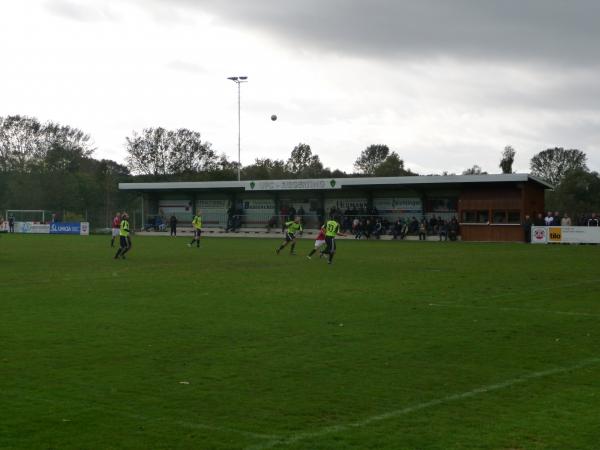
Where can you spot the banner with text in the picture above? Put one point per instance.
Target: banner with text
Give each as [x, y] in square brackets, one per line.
[398, 205]
[31, 228]
[565, 235]
[79, 228]
[291, 185]
[343, 204]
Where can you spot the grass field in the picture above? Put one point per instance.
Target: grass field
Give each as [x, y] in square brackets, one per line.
[397, 345]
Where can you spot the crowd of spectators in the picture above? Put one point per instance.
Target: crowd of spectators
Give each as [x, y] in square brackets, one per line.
[556, 219]
[369, 223]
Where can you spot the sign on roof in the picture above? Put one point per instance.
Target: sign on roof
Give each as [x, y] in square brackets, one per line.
[291, 185]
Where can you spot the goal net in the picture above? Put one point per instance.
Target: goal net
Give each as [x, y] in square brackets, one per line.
[29, 215]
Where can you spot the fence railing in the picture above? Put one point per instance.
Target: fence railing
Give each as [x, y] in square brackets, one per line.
[275, 221]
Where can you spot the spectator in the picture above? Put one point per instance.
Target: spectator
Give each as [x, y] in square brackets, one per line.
[367, 229]
[292, 213]
[173, 225]
[11, 224]
[442, 229]
[423, 230]
[539, 220]
[549, 219]
[565, 221]
[301, 213]
[557, 219]
[527, 223]
[593, 221]
[433, 224]
[453, 229]
[272, 223]
[397, 229]
[413, 228]
[378, 229]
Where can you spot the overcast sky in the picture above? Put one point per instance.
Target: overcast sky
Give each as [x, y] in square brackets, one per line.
[445, 83]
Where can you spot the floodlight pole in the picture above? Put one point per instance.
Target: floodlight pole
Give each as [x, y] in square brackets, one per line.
[239, 80]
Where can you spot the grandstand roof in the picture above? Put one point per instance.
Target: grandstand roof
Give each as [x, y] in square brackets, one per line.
[335, 183]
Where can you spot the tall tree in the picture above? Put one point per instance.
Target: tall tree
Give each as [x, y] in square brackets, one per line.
[303, 164]
[27, 145]
[508, 158]
[20, 143]
[370, 158]
[157, 151]
[554, 163]
[391, 166]
[578, 193]
[265, 169]
[475, 170]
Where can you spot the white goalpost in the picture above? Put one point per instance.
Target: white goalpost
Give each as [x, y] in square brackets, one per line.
[28, 215]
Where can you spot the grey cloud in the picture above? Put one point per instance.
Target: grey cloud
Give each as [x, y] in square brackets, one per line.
[79, 11]
[542, 30]
[186, 66]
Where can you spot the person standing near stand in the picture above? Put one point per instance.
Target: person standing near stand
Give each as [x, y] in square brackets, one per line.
[173, 225]
[527, 223]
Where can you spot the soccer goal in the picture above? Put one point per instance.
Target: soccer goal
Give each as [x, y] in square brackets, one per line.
[29, 215]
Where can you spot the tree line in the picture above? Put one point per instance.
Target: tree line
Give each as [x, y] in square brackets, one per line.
[51, 166]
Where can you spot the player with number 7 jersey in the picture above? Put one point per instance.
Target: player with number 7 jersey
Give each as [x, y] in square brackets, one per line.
[332, 229]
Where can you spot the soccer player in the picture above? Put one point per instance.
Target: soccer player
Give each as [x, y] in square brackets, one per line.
[197, 224]
[293, 226]
[332, 229]
[319, 242]
[124, 239]
[116, 228]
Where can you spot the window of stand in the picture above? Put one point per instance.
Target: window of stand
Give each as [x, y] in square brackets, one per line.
[480, 216]
[507, 217]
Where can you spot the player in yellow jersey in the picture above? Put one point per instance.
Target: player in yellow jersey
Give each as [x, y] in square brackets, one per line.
[124, 238]
[292, 227]
[197, 224]
[332, 229]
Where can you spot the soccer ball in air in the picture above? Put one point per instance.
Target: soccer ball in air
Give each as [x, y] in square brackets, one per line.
[273, 117]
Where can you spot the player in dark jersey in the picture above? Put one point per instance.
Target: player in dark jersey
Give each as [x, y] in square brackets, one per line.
[292, 227]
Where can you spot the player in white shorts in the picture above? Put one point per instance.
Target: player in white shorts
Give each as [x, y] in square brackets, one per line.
[319, 242]
[116, 228]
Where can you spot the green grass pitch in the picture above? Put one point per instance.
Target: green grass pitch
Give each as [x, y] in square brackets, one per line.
[397, 345]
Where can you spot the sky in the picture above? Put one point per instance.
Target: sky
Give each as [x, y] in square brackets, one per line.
[446, 84]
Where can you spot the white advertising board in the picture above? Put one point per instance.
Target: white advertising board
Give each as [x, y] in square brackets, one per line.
[84, 229]
[565, 235]
[258, 204]
[398, 204]
[220, 205]
[168, 207]
[539, 235]
[31, 228]
[345, 203]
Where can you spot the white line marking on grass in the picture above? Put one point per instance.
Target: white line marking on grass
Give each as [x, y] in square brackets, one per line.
[191, 425]
[512, 308]
[418, 407]
[182, 423]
